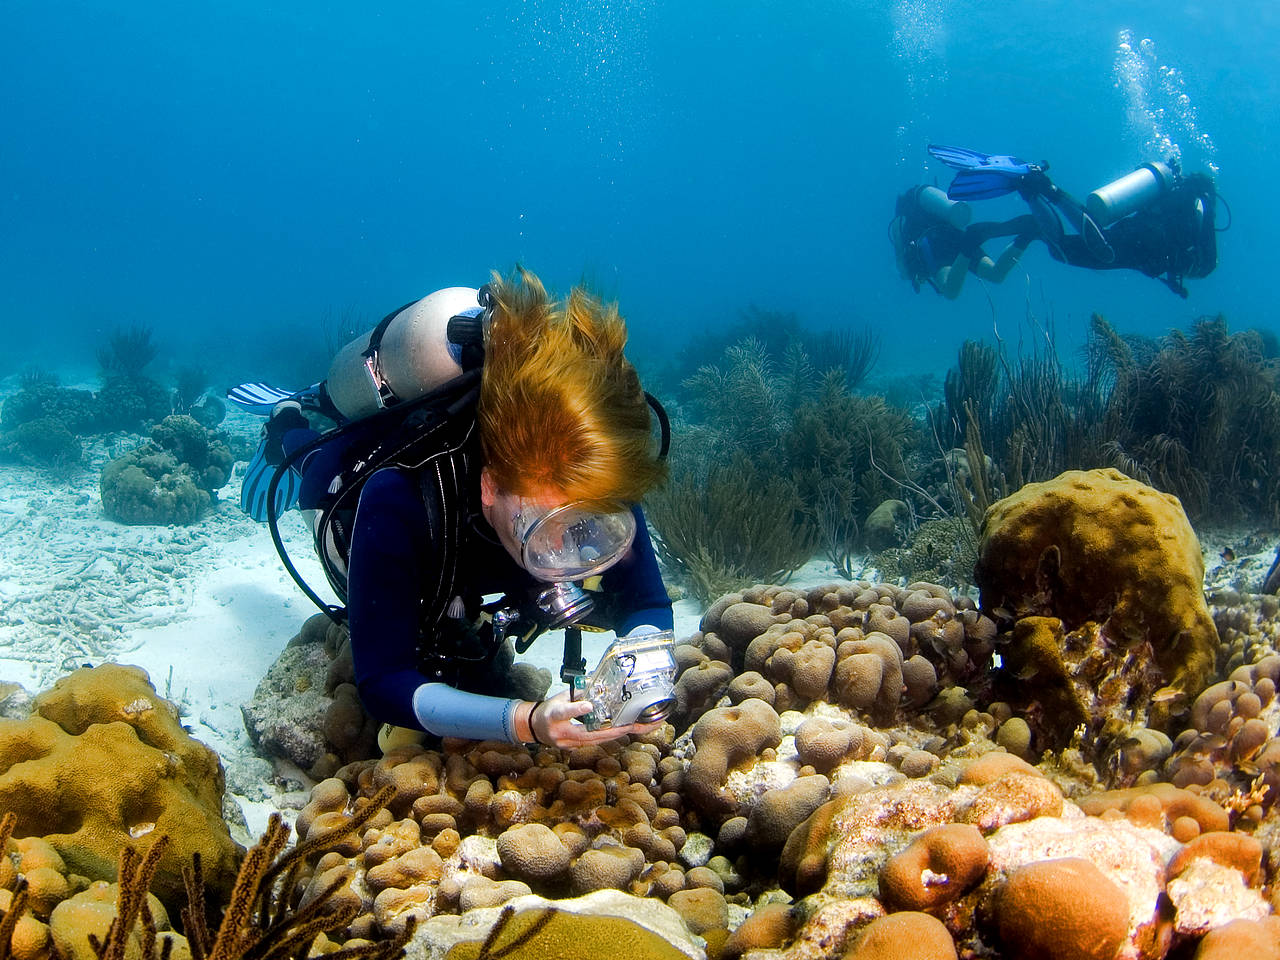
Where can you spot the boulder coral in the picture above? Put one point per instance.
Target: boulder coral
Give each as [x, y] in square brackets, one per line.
[1097, 547]
[902, 936]
[1061, 908]
[168, 479]
[136, 772]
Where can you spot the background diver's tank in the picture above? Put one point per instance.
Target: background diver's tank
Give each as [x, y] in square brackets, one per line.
[937, 204]
[414, 356]
[1133, 191]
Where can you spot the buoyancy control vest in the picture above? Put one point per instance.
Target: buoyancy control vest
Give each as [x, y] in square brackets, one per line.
[418, 414]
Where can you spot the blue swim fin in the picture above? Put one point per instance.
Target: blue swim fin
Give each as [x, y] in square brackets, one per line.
[257, 483]
[261, 398]
[982, 175]
[982, 184]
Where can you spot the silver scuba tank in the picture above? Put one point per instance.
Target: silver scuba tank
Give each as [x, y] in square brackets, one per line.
[411, 358]
[938, 205]
[1133, 191]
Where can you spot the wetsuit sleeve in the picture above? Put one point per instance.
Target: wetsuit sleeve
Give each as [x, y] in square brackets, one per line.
[390, 557]
[384, 577]
[635, 585]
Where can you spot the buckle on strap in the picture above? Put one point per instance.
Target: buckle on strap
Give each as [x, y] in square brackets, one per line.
[386, 396]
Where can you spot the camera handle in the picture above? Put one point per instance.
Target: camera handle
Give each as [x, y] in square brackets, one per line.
[574, 664]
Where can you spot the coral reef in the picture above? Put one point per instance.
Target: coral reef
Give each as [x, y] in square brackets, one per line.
[1083, 766]
[832, 785]
[42, 442]
[170, 478]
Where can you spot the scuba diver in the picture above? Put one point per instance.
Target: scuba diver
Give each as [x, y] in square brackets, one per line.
[490, 441]
[934, 243]
[1154, 219]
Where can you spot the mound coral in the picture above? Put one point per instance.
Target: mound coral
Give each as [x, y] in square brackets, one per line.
[858, 644]
[136, 772]
[168, 479]
[41, 442]
[1065, 908]
[40, 398]
[1100, 552]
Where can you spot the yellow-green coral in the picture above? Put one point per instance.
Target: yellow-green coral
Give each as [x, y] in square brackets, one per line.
[551, 934]
[102, 762]
[1097, 546]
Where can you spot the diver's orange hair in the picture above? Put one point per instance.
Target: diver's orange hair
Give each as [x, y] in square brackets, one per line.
[560, 407]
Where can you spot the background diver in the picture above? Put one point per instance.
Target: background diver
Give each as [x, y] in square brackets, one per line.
[1154, 219]
[934, 243]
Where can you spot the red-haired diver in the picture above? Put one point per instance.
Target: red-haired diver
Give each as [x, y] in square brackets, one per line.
[516, 470]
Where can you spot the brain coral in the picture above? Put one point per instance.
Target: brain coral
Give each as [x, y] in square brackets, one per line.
[1098, 546]
[103, 761]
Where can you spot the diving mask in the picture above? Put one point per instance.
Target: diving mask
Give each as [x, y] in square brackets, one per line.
[571, 541]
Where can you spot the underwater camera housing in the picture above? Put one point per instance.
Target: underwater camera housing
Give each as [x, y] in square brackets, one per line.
[634, 682]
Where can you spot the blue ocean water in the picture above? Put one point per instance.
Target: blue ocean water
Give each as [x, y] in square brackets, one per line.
[238, 175]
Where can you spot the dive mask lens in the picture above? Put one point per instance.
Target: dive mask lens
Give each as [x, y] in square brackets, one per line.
[571, 542]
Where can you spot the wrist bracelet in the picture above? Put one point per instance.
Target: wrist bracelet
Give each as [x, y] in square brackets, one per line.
[533, 731]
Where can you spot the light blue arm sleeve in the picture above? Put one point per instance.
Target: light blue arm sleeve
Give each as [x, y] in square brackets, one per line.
[449, 712]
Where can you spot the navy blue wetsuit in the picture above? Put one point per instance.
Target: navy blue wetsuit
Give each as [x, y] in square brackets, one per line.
[394, 561]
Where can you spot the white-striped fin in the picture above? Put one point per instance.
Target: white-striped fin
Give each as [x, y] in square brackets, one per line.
[258, 398]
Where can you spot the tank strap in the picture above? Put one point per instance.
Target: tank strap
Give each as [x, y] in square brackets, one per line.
[443, 481]
[386, 396]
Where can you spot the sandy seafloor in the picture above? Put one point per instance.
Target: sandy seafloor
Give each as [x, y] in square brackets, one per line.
[206, 609]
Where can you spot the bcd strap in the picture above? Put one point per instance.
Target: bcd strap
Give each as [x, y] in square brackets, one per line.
[372, 361]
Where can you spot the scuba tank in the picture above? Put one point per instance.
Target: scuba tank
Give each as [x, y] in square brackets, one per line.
[1133, 191]
[935, 203]
[405, 357]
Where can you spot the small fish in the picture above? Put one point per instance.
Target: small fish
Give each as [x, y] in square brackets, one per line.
[1228, 555]
[1167, 694]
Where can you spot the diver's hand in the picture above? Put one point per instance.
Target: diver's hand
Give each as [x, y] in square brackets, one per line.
[552, 722]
